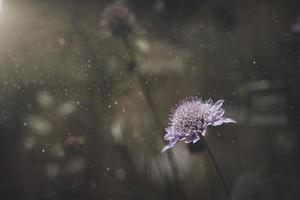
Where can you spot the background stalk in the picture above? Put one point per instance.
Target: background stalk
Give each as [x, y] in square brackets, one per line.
[150, 101]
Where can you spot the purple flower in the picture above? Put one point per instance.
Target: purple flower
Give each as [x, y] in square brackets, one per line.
[191, 117]
[117, 19]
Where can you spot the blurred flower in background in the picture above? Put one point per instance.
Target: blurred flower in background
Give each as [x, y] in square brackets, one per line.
[117, 19]
[73, 145]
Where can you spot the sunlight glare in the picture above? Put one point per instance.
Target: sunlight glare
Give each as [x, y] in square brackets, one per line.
[0, 6]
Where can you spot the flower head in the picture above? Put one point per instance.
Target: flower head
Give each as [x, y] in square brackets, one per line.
[191, 117]
[117, 19]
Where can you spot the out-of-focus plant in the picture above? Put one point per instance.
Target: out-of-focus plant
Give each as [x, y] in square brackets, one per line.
[117, 19]
[120, 22]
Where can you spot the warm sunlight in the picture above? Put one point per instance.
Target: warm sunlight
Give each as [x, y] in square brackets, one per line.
[1, 6]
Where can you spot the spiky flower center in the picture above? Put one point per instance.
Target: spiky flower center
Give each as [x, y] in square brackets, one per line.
[188, 119]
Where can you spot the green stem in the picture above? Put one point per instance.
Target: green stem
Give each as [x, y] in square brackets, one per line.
[214, 163]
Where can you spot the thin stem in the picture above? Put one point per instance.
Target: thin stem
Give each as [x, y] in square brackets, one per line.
[214, 163]
[150, 101]
[155, 116]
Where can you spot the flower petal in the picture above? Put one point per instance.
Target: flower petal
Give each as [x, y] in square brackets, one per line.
[223, 120]
[187, 141]
[170, 145]
[203, 133]
[220, 113]
[217, 122]
[196, 139]
[168, 136]
[209, 101]
[219, 104]
[229, 120]
[166, 148]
